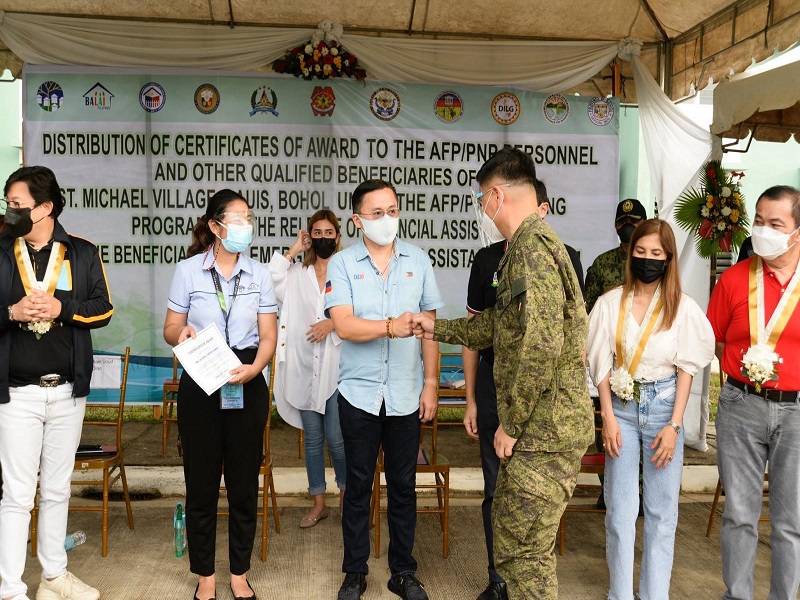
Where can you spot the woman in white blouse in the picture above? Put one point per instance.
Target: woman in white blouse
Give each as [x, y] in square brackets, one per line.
[646, 341]
[307, 370]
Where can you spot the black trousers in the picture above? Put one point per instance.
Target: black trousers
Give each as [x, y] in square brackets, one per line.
[212, 437]
[488, 422]
[363, 434]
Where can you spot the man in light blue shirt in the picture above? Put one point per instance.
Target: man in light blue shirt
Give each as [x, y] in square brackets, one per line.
[387, 381]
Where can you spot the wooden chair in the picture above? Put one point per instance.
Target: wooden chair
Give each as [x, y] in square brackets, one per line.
[593, 462]
[170, 398]
[267, 485]
[428, 463]
[109, 460]
[713, 516]
[449, 397]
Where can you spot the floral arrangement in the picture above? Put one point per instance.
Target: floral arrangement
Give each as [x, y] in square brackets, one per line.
[323, 57]
[39, 328]
[623, 385]
[715, 213]
[759, 365]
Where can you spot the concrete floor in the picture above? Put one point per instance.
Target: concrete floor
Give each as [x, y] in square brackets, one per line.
[305, 564]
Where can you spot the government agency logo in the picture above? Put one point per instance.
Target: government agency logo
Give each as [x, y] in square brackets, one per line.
[601, 111]
[506, 108]
[50, 96]
[384, 104]
[323, 101]
[152, 97]
[448, 107]
[555, 108]
[206, 98]
[98, 96]
[264, 100]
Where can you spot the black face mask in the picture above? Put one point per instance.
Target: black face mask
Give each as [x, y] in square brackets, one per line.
[647, 270]
[323, 247]
[18, 222]
[625, 232]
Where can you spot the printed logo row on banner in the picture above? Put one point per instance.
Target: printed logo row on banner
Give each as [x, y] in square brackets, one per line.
[384, 103]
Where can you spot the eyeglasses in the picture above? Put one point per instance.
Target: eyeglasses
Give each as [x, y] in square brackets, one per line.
[6, 203]
[378, 213]
[237, 218]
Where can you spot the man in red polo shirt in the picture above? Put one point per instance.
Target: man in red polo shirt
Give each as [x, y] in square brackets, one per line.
[757, 326]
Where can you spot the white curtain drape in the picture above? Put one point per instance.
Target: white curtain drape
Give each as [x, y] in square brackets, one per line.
[539, 66]
[677, 148]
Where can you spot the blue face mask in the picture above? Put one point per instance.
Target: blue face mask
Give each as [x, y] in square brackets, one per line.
[239, 237]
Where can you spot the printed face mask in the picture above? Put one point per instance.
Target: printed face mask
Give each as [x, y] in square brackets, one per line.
[381, 231]
[647, 270]
[767, 242]
[323, 247]
[239, 237]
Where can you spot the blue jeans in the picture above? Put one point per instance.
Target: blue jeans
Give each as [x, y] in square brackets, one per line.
[639, 424]
[317, 429]
[752, 432]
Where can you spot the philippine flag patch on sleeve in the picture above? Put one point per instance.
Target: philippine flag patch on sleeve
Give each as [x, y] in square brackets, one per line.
[328, 286]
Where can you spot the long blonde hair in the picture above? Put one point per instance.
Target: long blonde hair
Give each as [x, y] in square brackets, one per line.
[670, 280]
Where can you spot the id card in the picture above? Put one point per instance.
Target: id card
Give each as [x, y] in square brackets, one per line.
[231, 395]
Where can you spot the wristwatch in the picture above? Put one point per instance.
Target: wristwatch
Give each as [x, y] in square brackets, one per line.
[675, 426]
[10, 313]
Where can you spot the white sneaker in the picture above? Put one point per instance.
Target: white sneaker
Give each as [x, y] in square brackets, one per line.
[65, 587]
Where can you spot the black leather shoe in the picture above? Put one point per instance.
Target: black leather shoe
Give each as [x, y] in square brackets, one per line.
[195, 593]
[253, 597]
[496, 590]
[407, 586]
[353, 587]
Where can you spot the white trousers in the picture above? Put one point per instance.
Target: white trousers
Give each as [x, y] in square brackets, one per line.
[40, 429]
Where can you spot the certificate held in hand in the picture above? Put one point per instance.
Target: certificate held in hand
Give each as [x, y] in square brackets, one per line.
[207, 359]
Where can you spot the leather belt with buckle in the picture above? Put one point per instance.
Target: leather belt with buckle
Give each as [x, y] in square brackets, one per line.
[52, 381]
[766, 394]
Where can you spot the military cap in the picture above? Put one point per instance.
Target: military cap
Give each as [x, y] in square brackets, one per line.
[630, 208]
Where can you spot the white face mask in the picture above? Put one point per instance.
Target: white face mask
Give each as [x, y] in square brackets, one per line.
[489, 234]
[381, 231]
[769, 243]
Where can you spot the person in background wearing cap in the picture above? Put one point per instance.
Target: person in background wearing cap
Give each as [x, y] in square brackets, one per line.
[606, 273]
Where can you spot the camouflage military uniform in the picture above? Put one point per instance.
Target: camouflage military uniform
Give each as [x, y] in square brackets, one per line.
[607, 272]
[538, 328]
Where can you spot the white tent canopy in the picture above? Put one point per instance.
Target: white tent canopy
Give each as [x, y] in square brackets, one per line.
[764, 100]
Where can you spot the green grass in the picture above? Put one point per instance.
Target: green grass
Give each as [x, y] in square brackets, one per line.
[713, 397]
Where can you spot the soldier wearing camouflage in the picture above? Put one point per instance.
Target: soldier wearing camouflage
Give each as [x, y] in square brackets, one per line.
[608, 269]
[538, 328]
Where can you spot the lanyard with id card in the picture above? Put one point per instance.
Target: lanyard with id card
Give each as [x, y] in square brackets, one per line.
[231, 395]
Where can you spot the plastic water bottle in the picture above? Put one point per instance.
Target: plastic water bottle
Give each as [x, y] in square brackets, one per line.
[179, 524]
[74, 539]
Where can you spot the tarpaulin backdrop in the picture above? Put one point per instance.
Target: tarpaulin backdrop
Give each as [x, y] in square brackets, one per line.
[139, 152]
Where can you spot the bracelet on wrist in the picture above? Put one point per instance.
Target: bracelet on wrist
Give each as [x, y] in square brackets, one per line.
[288, 256]
[675, 426]
[389, 330]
